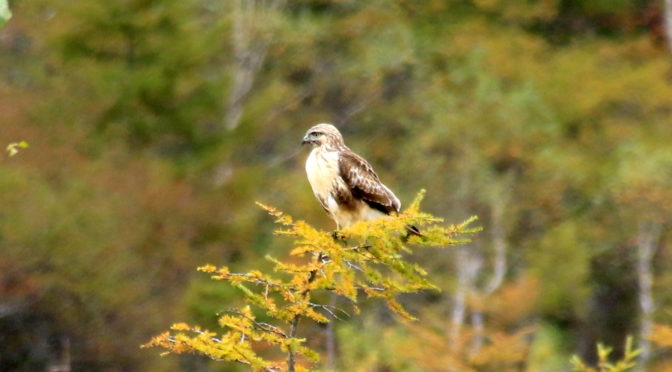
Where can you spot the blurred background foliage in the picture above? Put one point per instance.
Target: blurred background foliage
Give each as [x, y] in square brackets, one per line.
[155, 125]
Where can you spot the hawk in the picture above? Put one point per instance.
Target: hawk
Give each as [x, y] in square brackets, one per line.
[343, 182]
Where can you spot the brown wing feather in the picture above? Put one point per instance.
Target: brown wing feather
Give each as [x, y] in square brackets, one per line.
[364, 183]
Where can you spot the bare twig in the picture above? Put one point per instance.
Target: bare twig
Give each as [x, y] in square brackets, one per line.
[330, 309]
[353, 266]
[262, 326]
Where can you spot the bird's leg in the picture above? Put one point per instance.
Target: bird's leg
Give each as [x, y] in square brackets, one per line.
[337, 235]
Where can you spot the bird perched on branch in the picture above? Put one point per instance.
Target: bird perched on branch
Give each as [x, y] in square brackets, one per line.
[343, 182]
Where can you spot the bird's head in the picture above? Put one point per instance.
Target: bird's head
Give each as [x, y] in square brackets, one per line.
[323, 135]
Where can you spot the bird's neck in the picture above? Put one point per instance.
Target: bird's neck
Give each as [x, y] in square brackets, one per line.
[330, 147]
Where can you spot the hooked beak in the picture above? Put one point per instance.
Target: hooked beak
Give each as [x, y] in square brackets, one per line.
[305, 140]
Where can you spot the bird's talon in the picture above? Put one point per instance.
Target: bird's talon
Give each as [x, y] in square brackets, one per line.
[337, 235]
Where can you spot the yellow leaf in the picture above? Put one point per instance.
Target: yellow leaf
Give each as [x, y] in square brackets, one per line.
[207, 268]
[180, 327]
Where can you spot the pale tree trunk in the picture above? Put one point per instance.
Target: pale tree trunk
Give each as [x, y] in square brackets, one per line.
[470, 261]
[468, 266]
[499, 245]
[478, 324]
[11, 308]
[648, 235]
[251, 22]
[65, 364]
[464, 272]
[667, 15]
[250, 45]
[498, 236]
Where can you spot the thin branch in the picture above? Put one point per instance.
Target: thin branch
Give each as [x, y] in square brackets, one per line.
[358, 106]
[358, 247]
[367, 288]
[330, 309]
[254, 280]
[262, 326]
[302, 95]
[353, 266]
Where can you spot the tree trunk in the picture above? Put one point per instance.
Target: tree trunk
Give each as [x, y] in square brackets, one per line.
[667, 15]
[468, 266]
[249, 50]
[648, 234]
[497, 232]
[498, 274]
[292, 334]
[10, 308]
[499, 245]
[64, 364]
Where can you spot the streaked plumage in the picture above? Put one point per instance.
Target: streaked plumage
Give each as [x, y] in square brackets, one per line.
[343, 182]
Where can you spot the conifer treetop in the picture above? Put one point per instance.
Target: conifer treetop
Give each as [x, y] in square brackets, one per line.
[367, 259]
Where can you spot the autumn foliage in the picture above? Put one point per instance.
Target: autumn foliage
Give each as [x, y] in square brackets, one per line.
[154, 125]
[367, 260]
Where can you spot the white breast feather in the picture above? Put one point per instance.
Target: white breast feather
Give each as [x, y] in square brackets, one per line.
[322, 170]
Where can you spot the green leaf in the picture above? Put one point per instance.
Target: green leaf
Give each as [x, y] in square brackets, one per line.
[5, 14]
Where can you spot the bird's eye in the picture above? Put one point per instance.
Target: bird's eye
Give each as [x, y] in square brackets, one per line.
[315, 134]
